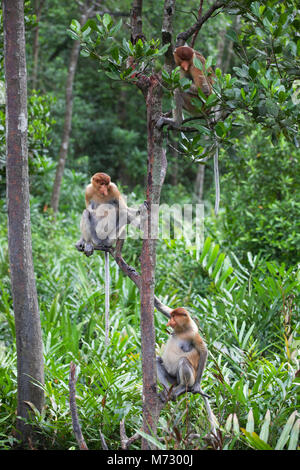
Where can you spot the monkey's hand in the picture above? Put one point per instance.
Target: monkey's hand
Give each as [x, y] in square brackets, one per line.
[142, 210]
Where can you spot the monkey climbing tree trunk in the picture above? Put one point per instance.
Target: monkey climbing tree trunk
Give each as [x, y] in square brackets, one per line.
[63, 152]
[30, 365]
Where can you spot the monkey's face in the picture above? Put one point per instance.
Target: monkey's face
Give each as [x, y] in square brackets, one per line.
[101, 182]
[183, 57]
[172, 322]
[103, 189]
[179, 320]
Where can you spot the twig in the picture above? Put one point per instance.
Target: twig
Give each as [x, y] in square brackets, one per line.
[127, 441]
[136, 278]
[183, 37]
[73, 409]
[197, 31]
[104, 445]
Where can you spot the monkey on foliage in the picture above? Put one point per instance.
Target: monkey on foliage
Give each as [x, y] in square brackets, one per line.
[184, 58]
[184, 357]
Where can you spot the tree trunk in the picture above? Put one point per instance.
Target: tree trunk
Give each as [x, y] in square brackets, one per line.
[38, 5]
[63, 152]
[148, 260]
[199, 185]
[30, 366]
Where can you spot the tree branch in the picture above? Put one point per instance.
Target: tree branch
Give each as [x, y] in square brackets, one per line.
[73, 409]
[136, 278]
[127, 441]
[167, 33]
[197, 31]
[185, 35]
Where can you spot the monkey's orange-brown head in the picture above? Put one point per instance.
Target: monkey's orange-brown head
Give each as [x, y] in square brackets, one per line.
[101, 182]
[179, 319]
[183, 56]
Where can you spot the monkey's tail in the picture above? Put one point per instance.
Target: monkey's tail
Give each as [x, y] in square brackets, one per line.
[217, 179]
[107, 289]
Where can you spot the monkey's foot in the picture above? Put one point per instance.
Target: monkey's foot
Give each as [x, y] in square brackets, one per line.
[197, 389]
[80, 245]
[163, 121]
[88, 249]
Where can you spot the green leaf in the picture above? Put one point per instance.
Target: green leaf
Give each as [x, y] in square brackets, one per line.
[250, 422]
[286, 432]
[247, 336]
[213, 255]
[236, 426]
[211, 100]
[116, 28]
[255, 441]
[294, 439]
[218, 265]
[152, 440]
[206, 248]
[264, 432]
[115, 53]
[75, 26]
[112, 75]
[272, 107]
[228, 423]
[231, 34]
[106, 20]
[220, 129]
[224, 276]
[197, 63]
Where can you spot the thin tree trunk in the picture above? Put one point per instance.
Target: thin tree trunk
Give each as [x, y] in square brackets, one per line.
[30, 366]
[63, 152]
[148, 261]
[38, 5]
[136, 21]
[199, 186]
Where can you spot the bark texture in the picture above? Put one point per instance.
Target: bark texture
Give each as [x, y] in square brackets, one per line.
[27, 321]
[151, 405]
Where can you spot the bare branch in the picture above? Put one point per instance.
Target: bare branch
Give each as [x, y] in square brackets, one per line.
[127, 441]
[103, 443]
[112, 13]
[73, 409]
[197, 31]
[184, 36]
[136, 278]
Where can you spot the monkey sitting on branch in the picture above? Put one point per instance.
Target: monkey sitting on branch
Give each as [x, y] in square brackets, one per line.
[106, 215]
[103, 223]
[181, 366]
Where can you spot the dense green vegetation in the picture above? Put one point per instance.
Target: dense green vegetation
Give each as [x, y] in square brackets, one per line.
[242, 288]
